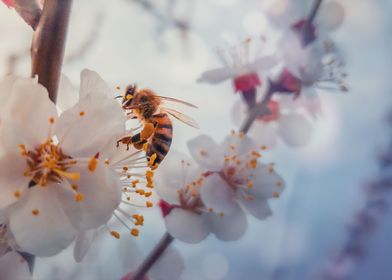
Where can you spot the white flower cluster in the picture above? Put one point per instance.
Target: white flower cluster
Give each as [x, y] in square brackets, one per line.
[212, 193]
[62, 177]
[305, 62]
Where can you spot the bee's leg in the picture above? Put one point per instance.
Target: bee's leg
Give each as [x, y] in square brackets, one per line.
[140, 144]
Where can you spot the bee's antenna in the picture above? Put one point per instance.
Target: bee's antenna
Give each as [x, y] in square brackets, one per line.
[118, 96]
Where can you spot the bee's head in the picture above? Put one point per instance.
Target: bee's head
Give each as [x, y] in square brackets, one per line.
[129, 95]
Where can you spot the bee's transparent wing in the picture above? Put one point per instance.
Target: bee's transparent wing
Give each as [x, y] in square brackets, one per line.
[181, 117]
[177, 101]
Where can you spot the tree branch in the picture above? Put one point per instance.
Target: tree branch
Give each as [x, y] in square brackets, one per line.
[48, 45]
[165, 241]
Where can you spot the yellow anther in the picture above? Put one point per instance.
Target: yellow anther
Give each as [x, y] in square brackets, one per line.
[278, 184]
[82, 113]
[149, 204]
[203, 153]
[92, 164]
[135, 232]
[118, 87]
[51, 120]
[221, 214]
[107, 161]
[252, 163]
[210, 209]
[125, 168]
[241, 135]
[250, 197]
[263, 147]
[140, 191]
[147, 194]
[75, 187]
[276, 194]
[35, 212]
[79, 197]
[17, 194]
[139, 220]
[135, 182]
[256, 154]
[115, 234]
[250, 184]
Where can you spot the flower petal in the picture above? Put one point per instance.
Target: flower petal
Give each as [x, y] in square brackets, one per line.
[263, 63]
[295, 130]
[238, 145]
[264, 134]
[5, 91]
[218, 195]
[39, 224]
[331, 16]
[12, 180]
[167, 178]
[28, 104]
[217, 75]
[229, 227]
[206, 152]
[187, 226]
[257, 207]
[13, 266]
[97, 118]
[83, 242]
[68, 95]
[266, 182]
[101, 195]
[92, 83]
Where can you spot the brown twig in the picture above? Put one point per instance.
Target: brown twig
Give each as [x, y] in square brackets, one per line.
[165, 241]
[48, 45]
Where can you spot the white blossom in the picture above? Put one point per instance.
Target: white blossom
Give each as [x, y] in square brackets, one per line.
[242, 63]
[54, 182]
[235, 178]
[180, 183]
[286, 122]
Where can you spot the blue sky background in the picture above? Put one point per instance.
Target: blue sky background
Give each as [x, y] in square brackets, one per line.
[324, 179]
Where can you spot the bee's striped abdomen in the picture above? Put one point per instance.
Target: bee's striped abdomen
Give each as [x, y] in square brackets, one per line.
[162, 137]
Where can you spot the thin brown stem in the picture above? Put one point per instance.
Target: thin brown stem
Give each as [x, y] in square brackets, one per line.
[165, 241]
[307, 30]
[257, 111]
[48, 45]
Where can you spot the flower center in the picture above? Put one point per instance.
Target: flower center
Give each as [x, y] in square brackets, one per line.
[47, 163]
[189, 196]
[238, 169]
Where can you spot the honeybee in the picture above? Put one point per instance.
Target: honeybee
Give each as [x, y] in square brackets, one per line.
[157, 132]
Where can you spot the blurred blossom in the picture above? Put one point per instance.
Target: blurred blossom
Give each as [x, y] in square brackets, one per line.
[285, 122]
[243, 64]
[186, 216]
[234, 176]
